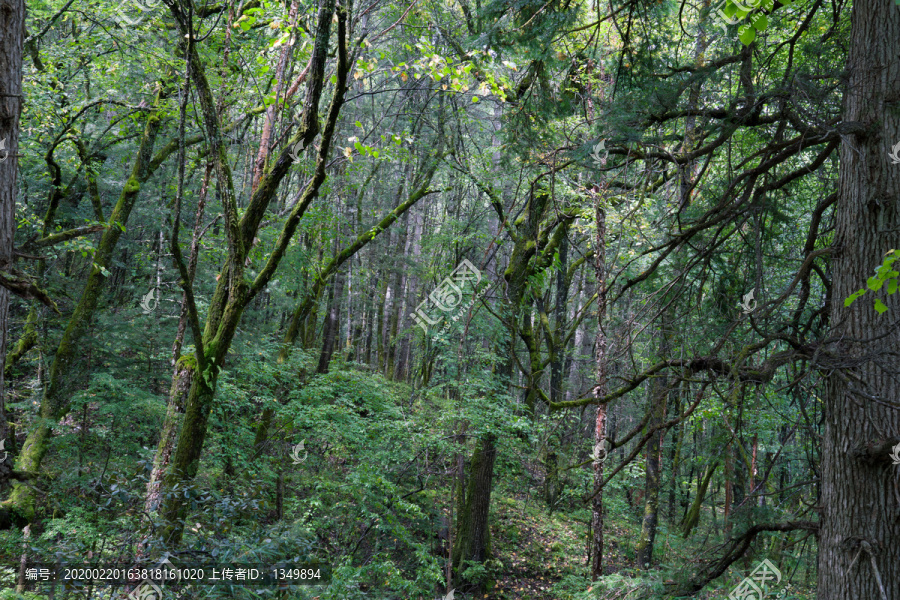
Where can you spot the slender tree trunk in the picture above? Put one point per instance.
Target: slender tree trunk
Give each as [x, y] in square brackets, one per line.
[659, 393]
[692, 518]
[559, 323]
[332, 322]
[192, 261]
[272, 111]
[382, 299]
[600, 389]
[859, 553]
[729, 486]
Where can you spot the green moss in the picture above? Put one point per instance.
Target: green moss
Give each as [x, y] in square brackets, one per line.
[187, 361]
[132, 186]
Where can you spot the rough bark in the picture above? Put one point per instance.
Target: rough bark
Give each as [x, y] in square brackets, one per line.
[12, 31]
[473, 539]
[858, 539]
[185, 369]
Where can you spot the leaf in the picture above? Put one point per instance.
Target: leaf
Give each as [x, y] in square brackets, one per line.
[880, 307]
[853, 297]
[892, 286]
[874, 283]
[760, 23]
[746, 35]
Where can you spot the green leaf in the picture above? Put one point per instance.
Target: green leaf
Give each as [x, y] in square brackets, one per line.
[853, 297]
[760, 22]
[892, 286]
[874, 283]
[746, 35]
[880, 307]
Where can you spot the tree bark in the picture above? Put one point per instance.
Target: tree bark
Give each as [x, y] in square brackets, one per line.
[600, 389]
[473, 539]
[692, 518]
[185, 370]
[12, 41]
[859, 523]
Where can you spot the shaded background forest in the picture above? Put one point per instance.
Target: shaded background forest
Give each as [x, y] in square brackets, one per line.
[246, 334]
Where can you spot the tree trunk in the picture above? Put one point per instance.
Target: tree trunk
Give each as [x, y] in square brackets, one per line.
[559, 323]
[858, 496]
[192, 261]
[600, 389]
[729, 487]
[473, 539]
[332, 323]
[185, 370]
[692, 518]
[659, 392]
[12, 31]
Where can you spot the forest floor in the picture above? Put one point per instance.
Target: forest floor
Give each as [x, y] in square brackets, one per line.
[538, 551]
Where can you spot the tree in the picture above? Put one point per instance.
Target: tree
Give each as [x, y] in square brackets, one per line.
[861, 420]
[12, 31]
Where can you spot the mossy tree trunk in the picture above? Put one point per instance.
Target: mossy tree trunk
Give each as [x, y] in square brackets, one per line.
[12, 42]
[185, 371]
[472, 541]
[332, 323]
[692, 518]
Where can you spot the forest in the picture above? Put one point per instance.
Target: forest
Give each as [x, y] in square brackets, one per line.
[449, 299]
